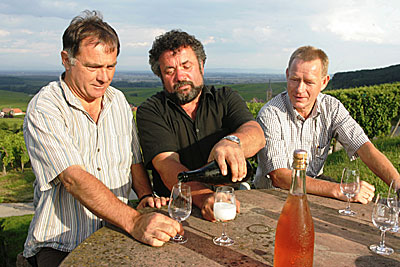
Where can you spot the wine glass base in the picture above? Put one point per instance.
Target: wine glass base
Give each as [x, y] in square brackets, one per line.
[223, 241]
[179, 239]
[381, 250]
[347, 212]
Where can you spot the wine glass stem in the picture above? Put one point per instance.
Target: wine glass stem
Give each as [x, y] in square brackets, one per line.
[223, 229]
[348, 204]
[382, 243]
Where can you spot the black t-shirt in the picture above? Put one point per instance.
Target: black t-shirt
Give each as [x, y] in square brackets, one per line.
[165, 127]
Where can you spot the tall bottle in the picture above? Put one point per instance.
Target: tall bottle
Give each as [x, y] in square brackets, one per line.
[294, 237]
[211, 174]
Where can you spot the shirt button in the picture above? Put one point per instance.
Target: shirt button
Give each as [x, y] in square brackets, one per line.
[197, 130]
[98, 150]
[99, 169]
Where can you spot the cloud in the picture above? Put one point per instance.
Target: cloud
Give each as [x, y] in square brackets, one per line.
[4, 33]
[209, 40]
[371, 22]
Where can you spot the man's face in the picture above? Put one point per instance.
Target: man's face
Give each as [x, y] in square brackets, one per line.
[92, 71]
[304, 83]
[181, 74]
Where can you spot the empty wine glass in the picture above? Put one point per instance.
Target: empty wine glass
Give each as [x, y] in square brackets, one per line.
[350, 186]
[394, 202]
[224, 210]
[383, 219]
[180, 207]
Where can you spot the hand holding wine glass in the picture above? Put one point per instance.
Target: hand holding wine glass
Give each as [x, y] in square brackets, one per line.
[224, 210]
[180, 207]
[394, 202]
[383, 218]
[350, 187]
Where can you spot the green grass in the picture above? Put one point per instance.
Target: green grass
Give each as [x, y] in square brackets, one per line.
[13, 232]
[339, 159]
[17, 186]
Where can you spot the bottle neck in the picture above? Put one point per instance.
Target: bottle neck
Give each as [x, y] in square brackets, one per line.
[298, 185]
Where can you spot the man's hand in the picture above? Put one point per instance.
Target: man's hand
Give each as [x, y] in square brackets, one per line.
[226, 151]
[366, 194]
[207, 210]
[155, 228]
[152, 202]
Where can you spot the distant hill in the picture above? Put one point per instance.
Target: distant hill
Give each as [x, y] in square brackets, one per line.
[358, 78]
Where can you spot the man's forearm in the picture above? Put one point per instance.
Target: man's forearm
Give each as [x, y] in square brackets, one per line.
[140, 180]
[97, 198]
[251, 137]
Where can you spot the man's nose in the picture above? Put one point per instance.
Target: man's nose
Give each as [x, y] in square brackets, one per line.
[103, 75]
[301, 87]
[180, 75]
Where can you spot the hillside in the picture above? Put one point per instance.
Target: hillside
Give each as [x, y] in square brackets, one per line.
[358, 78]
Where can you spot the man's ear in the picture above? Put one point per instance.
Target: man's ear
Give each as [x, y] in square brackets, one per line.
[325, 82]
[65, 60]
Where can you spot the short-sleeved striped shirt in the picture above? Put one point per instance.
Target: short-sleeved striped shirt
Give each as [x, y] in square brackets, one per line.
[286, 130]
[59, 133]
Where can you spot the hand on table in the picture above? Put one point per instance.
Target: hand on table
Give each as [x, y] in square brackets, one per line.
[366, 194]
[155, 228]
[152, 202]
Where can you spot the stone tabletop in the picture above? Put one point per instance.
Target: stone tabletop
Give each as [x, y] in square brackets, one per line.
[339, 240]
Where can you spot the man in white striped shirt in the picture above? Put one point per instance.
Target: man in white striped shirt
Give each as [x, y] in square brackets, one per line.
[304, 118]
[84, 150]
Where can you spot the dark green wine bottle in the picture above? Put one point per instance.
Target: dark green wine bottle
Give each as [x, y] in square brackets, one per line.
[211, 174]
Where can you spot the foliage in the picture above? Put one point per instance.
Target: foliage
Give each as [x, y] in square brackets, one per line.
[13, 232]
[365, 77]
[13, 151]
[373, 107]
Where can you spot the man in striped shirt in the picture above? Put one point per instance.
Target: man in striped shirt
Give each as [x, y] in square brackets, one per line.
[304, 118]
[84, 150]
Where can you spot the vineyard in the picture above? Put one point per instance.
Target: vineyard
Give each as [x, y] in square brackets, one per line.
[375, 108]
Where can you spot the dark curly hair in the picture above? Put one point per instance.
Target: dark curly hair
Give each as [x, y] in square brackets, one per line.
[172, 41]
[89, 24]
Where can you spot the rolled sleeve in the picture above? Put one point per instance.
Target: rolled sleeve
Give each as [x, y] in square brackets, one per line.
[51, 149]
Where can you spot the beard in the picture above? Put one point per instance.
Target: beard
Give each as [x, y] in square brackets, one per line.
[182, 98]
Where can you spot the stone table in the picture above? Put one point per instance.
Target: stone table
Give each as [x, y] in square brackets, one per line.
[339, 240]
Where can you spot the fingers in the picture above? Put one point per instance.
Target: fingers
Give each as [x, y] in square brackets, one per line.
[207, 209]
[366, 194]
[155, 229]
[230, 155]
[152, 202]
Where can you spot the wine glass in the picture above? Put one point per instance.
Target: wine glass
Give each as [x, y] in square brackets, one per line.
[394, 202]
[383, 219]
[180, 207]
[224, 210]
[350, 186]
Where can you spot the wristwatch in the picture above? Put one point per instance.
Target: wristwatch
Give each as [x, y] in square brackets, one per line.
[232, 138]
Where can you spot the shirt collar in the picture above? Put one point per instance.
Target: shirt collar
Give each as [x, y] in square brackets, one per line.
[73, 100]
[316, 111]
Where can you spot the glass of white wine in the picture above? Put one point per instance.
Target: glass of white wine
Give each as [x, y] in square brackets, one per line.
[350, 187]
[394, 202]
[383, 217]
[180, 207]
[224, 210]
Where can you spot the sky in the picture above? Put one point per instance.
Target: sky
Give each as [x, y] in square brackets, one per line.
[246, 35]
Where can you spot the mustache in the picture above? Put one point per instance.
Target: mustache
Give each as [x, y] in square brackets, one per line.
[182, 83]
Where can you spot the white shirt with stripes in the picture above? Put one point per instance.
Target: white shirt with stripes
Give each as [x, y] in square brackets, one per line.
[286, 130]
[59, 133]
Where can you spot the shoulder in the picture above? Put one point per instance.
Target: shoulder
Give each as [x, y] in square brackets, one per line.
[155, 102]
[48, 96]
[275, 106]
